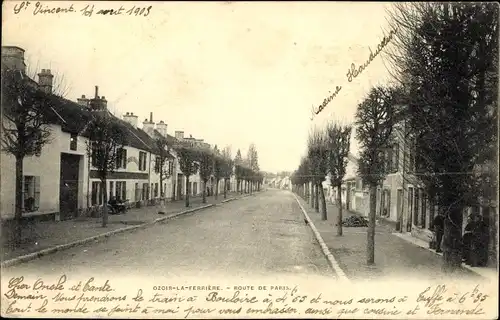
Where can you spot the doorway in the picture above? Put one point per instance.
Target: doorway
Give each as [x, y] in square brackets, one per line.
[68, 186]
[180, 186]
[399, 209]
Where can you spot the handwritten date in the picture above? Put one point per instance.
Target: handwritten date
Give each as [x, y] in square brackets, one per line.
[87, 11]
[134, 11]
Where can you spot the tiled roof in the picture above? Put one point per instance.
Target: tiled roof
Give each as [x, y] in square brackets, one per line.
[73, 118]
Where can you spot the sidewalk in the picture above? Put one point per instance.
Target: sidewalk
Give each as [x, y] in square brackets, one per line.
[394, 257]
[48, 234]
[490, 272]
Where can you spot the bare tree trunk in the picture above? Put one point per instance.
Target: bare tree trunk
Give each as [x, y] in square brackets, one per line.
[105, 203]
[323, 202]
[452, 244]
[204, 193]
[225, 188]
[162, 196]
[216, 194]
[339, 203]
[370, 243]
[187, 191]
[18, 214]
[312, 187]
[316, 198]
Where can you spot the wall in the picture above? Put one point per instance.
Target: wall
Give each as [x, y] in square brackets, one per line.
[131, 174]
[47, 167]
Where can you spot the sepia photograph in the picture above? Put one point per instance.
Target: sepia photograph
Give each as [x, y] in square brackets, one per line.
[233, 159]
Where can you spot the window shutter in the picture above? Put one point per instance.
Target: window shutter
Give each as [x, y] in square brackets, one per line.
[124, 190]
[37, 192]
[124, 158]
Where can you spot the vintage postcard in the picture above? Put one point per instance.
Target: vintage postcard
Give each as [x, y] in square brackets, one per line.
[333, 160]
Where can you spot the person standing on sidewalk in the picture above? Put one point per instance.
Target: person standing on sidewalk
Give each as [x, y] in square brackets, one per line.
[438, 228]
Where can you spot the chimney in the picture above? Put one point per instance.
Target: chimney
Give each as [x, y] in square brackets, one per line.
[84, 102]
[104, 103]
[162, 128]
[45, 78]
[131, 118]
[13, 58]
[179, 135]
[149, 126]
[98, 103]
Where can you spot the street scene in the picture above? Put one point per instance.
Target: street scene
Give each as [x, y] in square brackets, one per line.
[263, 234]
[248, 141]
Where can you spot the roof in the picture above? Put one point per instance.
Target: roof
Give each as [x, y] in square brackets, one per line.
[73, 118]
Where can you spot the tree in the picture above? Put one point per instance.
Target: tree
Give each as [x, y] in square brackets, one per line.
[300, 178]
[25, 128]
[375, 118]
[218, 169]
[446, 59]
[318, 156]
[162, 158]
[253, 158]
[339, 137]
[106, 140]
[227, 168]
[188, 164]
[237, 171]
[205, 158]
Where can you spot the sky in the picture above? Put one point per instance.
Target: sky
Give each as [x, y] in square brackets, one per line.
[229, 73]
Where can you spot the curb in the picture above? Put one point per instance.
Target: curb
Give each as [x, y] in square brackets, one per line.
[331, 259]
[61, 247]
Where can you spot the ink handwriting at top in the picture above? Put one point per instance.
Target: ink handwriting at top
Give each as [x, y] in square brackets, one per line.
[86, 11]
[134, 11]
[353, 72]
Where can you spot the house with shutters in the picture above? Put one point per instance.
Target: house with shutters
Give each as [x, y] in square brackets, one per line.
[62, 181]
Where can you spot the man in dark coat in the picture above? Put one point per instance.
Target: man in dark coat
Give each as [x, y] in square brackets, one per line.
[438, 227]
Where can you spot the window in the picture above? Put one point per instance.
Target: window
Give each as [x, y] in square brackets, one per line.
[388, 161]
[410, 205]
[156, 190]
[157, 165]
[73, 141]
[170, 167]
[423, 208]
[152, 190]
[121, 159]
[95, 154]
[195, 188]
[359, 184]
[164, 190]
[145, 192]
[395, 161]
[142, 161]
[31, 193]
[121, 190]
[97, 192]
[137, 192]
[111, 193]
